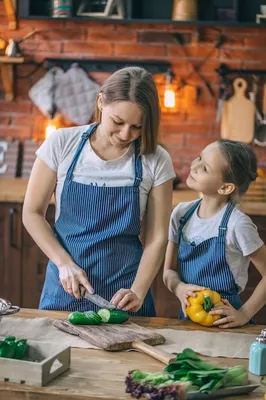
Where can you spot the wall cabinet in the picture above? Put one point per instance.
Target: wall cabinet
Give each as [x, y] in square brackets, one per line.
[23, 266]
[22, 263]
[210, 12]
[10, 252]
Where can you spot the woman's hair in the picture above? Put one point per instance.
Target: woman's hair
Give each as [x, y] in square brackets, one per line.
[136, 85]
[241, 164]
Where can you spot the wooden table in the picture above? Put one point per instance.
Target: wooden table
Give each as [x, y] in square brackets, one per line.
[96, 374]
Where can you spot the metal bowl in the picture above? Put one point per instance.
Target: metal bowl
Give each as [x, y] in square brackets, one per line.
[6, 308]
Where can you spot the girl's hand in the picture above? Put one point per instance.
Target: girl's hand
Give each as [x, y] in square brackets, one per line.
[127, 300]
[72, 277]
[183, 291]
[232, 317]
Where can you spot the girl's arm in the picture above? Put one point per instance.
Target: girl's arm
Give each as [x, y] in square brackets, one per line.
[155, 239]
[170, 275]
[172, 280]
[40, 188]
[257, 300]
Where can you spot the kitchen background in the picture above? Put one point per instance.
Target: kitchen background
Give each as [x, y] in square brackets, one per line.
[185, 129]
[184, 132]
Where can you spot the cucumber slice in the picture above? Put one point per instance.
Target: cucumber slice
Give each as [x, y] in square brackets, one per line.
[113, 316]
[84, 318]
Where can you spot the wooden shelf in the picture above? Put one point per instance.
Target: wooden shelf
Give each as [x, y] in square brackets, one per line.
[152, 21]
[11, 60]
[7, 74]
[152, 12]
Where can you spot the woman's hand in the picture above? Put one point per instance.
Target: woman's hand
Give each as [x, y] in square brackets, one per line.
[231, 317]
[127, 300]
[72, 277]
[183, 291]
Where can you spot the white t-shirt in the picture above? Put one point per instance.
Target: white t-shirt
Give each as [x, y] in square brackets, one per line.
[59, 149]
[242, 236]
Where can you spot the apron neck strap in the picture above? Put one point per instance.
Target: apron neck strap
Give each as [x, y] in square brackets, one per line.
[84, 138]
[138, 164]
[223, 227]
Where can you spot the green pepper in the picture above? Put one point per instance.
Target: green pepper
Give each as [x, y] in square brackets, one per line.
[9, 339]
[6, 351]
[13, 348]
[22, 348]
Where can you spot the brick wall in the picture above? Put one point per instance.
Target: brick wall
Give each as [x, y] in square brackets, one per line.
[184, 133]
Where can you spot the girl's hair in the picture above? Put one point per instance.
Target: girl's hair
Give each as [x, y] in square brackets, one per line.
[136, 85]
[241, 164]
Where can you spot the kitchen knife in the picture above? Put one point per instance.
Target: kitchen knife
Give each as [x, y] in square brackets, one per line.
[98, 300]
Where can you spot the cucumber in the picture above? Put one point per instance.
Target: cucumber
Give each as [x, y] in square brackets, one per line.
[84, 318]
[113, 316]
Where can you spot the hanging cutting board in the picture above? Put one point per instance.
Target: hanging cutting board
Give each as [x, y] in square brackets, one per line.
[117, 337]
[238, 115]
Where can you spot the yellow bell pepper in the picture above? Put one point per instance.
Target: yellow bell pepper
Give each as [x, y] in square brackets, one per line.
[198, 310]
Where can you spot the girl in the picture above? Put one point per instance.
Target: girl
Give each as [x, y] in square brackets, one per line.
[211, 241]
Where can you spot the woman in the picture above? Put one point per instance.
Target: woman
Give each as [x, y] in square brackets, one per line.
[106, 176]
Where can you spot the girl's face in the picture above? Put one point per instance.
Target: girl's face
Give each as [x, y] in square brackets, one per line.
[206, 172]
[121, 122]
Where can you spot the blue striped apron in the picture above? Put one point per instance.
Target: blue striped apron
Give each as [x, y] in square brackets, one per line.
[99, 227]
[205, 264]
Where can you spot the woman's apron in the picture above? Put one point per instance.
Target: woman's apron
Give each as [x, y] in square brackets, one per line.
[99, 227]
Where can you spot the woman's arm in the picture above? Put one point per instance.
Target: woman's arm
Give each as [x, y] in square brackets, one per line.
[155, 238]
[40, 188]
[256, 301]
[156, 232]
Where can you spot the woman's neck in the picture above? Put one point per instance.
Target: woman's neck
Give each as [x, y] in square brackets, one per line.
[210, 206]
[103, 148]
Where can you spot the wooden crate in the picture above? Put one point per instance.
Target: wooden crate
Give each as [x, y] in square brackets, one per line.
[44, 362]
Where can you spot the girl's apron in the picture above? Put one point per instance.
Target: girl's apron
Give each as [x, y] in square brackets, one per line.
[99, 227]
[205, 264]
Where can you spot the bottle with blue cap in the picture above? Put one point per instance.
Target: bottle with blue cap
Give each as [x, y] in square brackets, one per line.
[257, 355]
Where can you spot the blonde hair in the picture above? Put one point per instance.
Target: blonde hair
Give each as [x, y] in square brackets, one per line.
[136, 85]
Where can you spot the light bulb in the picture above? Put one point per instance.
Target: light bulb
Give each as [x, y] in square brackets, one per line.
[169, 97]
[50, 128]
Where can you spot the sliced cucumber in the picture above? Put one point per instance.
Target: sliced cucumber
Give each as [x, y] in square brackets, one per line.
[113, 316]
[84, 318]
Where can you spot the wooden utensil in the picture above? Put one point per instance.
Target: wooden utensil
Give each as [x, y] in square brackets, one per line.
[112, 337]
[260, 135]
[238, 116]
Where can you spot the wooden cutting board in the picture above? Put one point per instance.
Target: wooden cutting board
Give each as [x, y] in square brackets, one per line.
[117, 337]
[238, 115]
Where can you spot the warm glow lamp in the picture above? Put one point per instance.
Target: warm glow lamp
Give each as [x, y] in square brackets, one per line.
[169, 98]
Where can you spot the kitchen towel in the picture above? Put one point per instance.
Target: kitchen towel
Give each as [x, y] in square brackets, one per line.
[212, 344]
[41, 330]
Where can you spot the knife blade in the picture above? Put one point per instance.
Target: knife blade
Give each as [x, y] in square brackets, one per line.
[98, 300]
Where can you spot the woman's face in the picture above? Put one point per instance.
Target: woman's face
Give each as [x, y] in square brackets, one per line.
[206, 172]
[121, 122]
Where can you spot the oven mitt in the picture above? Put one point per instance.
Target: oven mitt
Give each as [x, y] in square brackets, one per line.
[76, 95]
[41, 93]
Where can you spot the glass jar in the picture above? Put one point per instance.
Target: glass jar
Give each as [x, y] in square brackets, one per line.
[257, 356]
[61, 8]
